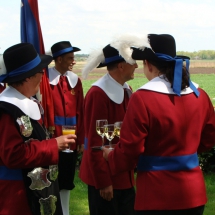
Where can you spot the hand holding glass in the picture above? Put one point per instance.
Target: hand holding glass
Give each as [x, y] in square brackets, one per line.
[68, 129]
[100, 128]
[117, 127]
[109, 133]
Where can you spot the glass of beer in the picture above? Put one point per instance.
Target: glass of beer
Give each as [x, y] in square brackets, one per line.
[68, 129]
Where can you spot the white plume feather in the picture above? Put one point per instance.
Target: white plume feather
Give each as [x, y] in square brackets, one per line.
[2, 66]
[95, 58]
[124, 43]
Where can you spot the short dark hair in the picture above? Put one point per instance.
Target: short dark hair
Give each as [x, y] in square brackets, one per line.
[113, 66]
[167, 69]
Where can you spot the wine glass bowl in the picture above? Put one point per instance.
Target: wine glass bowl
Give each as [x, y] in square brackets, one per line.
[117, 127]
[68, 129]
[109, 133]
[100, 128]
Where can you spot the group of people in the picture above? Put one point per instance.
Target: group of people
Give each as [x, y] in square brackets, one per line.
[166, 123]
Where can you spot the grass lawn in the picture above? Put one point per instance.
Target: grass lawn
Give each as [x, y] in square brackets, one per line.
[79, 202]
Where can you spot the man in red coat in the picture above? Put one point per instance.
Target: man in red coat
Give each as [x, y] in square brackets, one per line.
[28, 158]
[167, 123]
[67, 93]
[107, 99]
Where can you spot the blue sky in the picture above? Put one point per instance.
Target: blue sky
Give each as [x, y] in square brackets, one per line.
[90, 24]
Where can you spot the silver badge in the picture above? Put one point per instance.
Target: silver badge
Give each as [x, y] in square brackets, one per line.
[53, 169]
[25, 125]
[48, 205]
[39, 178]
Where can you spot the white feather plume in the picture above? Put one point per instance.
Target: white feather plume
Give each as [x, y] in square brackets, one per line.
[124, 43]
[2, 66]
[95, 58]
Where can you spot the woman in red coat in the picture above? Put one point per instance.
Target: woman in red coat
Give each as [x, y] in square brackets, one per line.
[168, 121]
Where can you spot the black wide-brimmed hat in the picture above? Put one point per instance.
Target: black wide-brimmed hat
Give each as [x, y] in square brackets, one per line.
[163, 48]
[111, 56]
[160, 44]
[22, 61]
[62, 47]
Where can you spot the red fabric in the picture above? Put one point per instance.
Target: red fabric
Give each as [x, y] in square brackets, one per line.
[15, 155]
[2, 88]
[94, 169]
[68, 102]
[159, 124]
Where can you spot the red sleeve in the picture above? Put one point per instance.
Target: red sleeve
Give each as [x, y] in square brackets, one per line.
[80, 114]
[135, 127]
[96, 107]
[208, 135]
[14, 153]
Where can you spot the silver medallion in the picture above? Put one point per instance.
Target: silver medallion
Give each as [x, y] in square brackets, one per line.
[48, 205]
[25, 125]
[39, 178]
[53, 169]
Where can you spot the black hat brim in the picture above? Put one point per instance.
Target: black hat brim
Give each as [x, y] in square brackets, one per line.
[112, 62]
[45, 61]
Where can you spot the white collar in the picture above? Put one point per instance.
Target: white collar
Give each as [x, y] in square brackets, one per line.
[159, 84]
[26, 105]
[54, 77]
[2, 84]
[112, 88]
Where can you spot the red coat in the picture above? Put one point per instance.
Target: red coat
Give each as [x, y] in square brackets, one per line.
[164, 125]
[94, 169]
[16, 155]
[68, 105]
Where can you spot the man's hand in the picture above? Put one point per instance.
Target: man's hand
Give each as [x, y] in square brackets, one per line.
[107, 193]
[64, 141]
[106, 152]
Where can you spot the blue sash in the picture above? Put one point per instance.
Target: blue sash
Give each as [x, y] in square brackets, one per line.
[60, 120]
[174, 163]
[10, 174]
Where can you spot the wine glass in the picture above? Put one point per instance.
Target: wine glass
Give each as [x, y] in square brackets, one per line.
[109, 133]
[100, 128]
[117, 127]
[68, 129]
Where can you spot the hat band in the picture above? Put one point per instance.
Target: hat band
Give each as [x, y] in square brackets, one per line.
[63, 51]
[111, 59]
[22, 69]
[178, 73]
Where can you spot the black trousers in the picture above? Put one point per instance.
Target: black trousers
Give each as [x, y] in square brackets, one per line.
[66, 170]
[191, 211]
[121, 204]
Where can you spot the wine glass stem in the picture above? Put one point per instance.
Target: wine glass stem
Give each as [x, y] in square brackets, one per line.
[103, 142]
[110, 144]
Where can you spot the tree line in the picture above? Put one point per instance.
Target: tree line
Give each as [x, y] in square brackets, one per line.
[199, 55]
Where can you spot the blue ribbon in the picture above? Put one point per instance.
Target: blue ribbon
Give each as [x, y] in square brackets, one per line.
[178, 73]
[173, 163]
[111, 59]
[23, 69]
[63, 51]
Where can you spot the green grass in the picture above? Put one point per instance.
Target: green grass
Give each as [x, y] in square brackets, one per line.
[205, 81]
[79, 202]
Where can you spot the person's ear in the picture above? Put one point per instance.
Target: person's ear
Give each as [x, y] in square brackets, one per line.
[149, 65]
